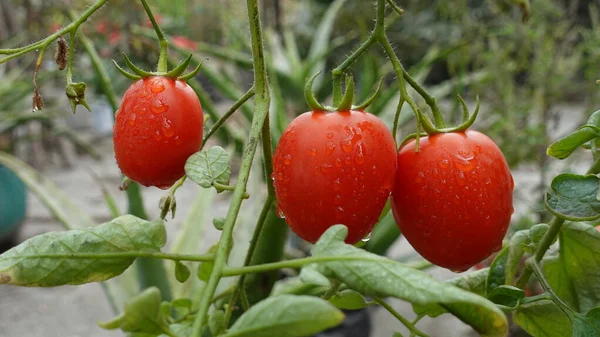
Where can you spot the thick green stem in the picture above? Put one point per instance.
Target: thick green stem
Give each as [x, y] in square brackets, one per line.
[261, 108]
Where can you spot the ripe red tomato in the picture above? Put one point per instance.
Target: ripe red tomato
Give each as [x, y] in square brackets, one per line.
[453, 199]
[157, 127]
[334, 168]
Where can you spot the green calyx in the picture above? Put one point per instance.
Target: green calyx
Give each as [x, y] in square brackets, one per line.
[176, 73]
[346, 101]
[467, 122]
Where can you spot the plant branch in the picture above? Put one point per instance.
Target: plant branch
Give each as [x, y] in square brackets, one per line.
[249, 94]
[299, 263]
[261, 109]
[413, 330]
[44, 43]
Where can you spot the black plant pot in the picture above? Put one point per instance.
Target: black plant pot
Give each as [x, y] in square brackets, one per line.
[356, 324]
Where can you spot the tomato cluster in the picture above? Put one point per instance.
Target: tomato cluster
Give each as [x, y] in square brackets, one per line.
[452, 199]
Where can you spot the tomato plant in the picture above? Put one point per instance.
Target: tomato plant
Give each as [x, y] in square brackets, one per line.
[157, 127]
[332, 172]
[453, 198]
[334, 168]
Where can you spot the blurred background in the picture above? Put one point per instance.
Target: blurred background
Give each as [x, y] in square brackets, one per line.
[536, 82]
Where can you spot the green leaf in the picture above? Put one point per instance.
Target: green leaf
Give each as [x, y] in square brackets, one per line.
[580, 254]
[310, 274]
[497, 272]
[508, 296]
[588, 325]
[295, 286]
[142, 314]
[574, 197]
[182, 272]
[543, 318]
[81, 255]
[287, 316]
[565, 146]
[474, 282]
[559, 280]
[208, 167]
[56, 200]
[349, 300]
[206, 268]
[377, 276]
[216, 322]
[524, 241]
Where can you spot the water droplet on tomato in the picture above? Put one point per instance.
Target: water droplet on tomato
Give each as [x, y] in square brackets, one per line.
[313, 152]
[330, 135]
[419, 178]
[488, 181]
[348, 160]
[178, 140]
[167, 129]
[330, 148]
[338, 162]
[136, 132]
[157, 136]
[273, 176]
[326, 168]
[337, 185]
[132, 118]
[461, 179]
[465, 161]
[157, 87]
[164, 187]
[280, 213]
[338, 200]
[360, 154]
[443, 164]
[346, 144]
[157, 106]
[367, 238]
[287, 159]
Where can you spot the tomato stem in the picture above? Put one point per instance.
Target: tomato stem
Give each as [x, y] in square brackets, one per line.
[164, 44]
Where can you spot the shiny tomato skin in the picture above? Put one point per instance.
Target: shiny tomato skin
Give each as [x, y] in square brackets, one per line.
[334, 168]
[452, 200]
[157, 127]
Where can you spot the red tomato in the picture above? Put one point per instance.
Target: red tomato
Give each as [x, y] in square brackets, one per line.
[334, 168]
[157, 127]
[453, 199]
